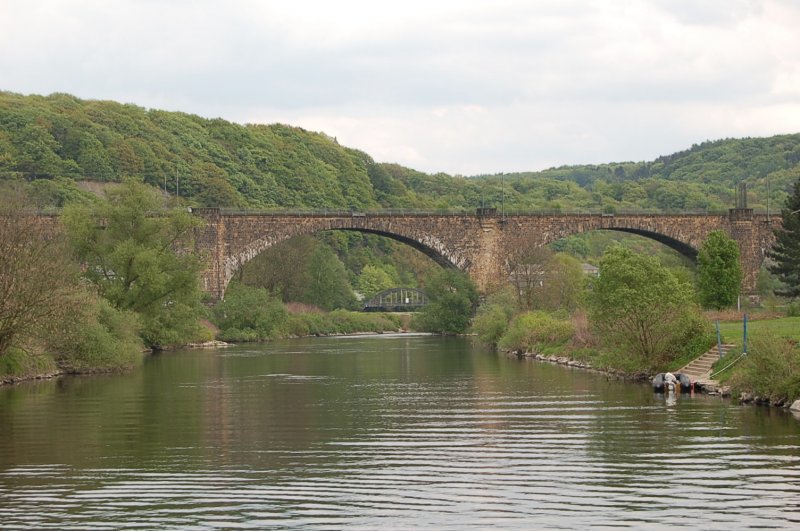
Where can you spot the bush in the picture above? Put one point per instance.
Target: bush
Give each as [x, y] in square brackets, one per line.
[493, 316]
[452, 301]
[535, 331]
[249, 314]
[105, 339]
[340, 322]
[16, 363]
[771, 370]
[490, 323]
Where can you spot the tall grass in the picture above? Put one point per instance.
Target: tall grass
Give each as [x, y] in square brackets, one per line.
[770, 371]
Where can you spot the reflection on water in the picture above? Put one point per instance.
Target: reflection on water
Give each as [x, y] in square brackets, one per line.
[384, 431]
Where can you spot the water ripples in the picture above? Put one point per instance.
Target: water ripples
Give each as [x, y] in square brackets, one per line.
[441, 454]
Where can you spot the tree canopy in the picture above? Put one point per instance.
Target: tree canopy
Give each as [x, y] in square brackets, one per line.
[785, 254]
[719, 272]
[211, 162]
[642, 308]
[131, 246]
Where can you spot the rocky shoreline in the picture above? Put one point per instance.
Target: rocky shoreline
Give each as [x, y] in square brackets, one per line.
[707, 388]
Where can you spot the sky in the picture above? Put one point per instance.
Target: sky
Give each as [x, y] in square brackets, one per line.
[464, 87]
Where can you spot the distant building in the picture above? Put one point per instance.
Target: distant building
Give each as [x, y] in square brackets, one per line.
[590, 270]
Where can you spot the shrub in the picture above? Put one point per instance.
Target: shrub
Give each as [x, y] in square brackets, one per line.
[490, 323]
[771, 370]
[452, 301]
[534, 331]
[16, 363]
[249, 314]
[105, 339]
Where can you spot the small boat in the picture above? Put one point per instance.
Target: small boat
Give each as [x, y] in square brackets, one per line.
[683, 381]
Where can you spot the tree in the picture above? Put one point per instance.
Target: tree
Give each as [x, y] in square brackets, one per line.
[786, 251]
[452, 300]
[329, 286]
[564, 284]
[132, 248]
[638, 305]
[37, 283]
[527, 268]
[376, 278]
[250, 314]
[719, 272]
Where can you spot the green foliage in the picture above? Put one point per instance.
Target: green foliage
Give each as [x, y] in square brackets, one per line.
[249, 314]
[452, 298]
[643, 310]
[535, 331]
[341, 322]
[785, 253]
[103, 338]
[277, 166]
[18, 363]
[302, 269]
[133, 258]
[719, 272]
[490, 323]
[771, 370]
[493, 316]
[329, 286]
[213, 162]
[376, 278]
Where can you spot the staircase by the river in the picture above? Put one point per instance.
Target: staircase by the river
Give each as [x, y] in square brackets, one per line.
[699, 370]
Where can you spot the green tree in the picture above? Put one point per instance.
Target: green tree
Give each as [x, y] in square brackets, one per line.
[132, 248]
[452, 300]
[639, 307]
[329, 286]
[494, 315]
[249, 314]
[785, 254]
[564, 284]
[376, 278]
[719, 274]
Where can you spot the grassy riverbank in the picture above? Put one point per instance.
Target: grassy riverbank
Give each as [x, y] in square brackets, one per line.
[784, 327]
[770, 372]
[337, 322]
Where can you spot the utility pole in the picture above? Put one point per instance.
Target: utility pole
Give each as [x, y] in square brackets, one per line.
[503, 197]
[768, 194]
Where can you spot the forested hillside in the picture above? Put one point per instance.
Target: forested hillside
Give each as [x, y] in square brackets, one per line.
[52, 142]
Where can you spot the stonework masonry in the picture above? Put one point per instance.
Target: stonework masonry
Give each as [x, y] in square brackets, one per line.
[476, 244]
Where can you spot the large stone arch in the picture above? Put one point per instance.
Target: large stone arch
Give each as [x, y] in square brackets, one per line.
[237, 238]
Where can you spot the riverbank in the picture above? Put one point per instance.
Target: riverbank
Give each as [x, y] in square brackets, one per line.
[721, 390]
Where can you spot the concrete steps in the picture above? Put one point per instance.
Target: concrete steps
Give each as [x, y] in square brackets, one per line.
[699, 370]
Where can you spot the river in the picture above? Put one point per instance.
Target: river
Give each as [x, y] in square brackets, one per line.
[384, 431]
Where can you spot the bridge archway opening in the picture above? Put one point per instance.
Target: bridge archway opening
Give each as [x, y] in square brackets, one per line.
[282, 267]
[593, 243]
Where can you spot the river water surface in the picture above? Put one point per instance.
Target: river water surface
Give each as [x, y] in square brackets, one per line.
[376, 432]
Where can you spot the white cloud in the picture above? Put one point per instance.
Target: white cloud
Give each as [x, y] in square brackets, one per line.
[458, 86]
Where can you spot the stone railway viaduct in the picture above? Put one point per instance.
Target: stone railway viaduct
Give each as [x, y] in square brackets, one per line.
[474, 243]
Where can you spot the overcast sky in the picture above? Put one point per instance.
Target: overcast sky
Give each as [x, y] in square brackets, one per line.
[462, 86]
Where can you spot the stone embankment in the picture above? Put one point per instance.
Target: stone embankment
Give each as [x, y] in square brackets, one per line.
[578, 364]
[709, 387]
